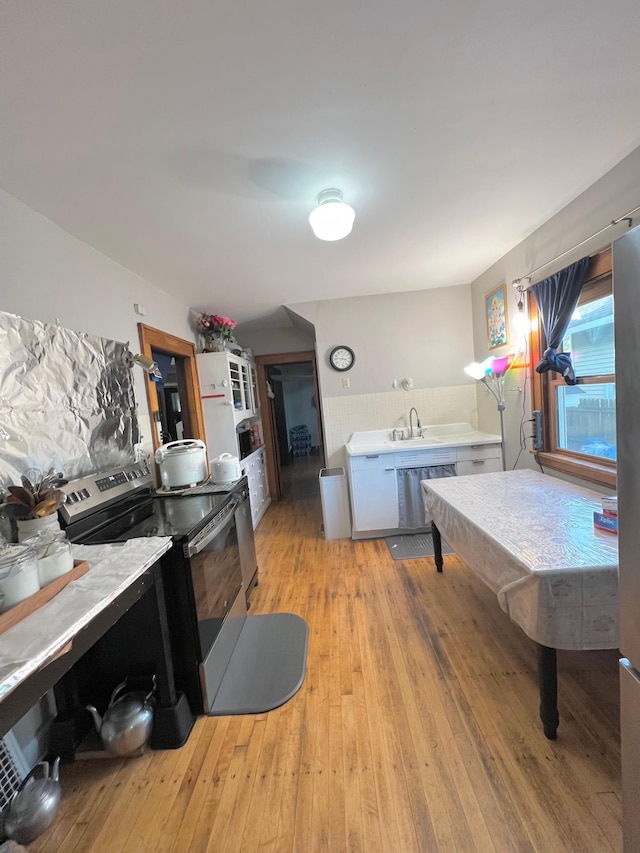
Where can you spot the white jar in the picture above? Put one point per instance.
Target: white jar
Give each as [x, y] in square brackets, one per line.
[19, 573]
[53, 552]
[30, 526]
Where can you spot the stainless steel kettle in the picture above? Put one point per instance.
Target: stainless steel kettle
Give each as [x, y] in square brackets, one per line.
[33, 806]
[127, 723]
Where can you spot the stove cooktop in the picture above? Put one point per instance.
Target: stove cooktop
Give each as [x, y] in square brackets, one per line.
[88, 495]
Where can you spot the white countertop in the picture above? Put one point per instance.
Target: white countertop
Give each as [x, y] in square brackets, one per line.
[47, 633]
[433, 436]
[250, 456]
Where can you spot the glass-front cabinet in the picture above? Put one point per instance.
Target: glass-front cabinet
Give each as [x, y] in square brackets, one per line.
[227, 379]
[247, 399]
[253, 378]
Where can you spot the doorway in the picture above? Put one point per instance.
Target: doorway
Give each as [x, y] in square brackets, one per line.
[169, 402]
[174, 403]
[292, 426]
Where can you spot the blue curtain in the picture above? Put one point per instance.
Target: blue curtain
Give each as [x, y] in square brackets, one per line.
[557, 297]
[411, 509]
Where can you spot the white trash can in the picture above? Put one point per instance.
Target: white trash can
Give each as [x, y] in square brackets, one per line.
[336, 510]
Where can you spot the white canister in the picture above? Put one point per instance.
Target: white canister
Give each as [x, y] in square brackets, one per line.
[53, 553]
[19, 574]
[28, 527]
[182, 463]
[225, 468]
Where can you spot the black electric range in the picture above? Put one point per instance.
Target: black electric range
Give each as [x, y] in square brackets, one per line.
[202, 572]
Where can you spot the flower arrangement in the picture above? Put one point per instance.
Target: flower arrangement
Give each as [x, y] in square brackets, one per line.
[214, 328]
[213, 324]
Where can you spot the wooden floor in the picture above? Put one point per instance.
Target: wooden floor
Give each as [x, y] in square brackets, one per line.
[416, 728]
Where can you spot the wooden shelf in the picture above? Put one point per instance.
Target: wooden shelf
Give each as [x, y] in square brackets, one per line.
[25, 608]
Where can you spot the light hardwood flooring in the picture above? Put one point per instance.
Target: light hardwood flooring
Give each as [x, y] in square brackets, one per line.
[416, 728]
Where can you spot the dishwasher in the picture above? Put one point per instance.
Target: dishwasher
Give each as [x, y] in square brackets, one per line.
[412, 466]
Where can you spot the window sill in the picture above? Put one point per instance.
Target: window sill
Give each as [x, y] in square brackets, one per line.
[603, 475]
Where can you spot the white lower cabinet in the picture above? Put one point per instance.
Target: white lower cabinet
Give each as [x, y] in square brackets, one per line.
[478, 466]
[254, 468]
[374, 493]
[374, 485]
[478, 459]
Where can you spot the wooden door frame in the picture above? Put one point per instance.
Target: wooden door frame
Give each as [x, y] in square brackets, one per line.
[187, 371]
[268, 428]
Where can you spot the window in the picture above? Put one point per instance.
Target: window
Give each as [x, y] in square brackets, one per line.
[579, 421]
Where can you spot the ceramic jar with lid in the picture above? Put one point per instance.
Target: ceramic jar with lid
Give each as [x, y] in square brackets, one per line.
[53, 553]
[18, 574]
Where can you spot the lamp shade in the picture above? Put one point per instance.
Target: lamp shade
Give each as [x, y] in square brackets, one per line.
[475, 370]
[332, 219]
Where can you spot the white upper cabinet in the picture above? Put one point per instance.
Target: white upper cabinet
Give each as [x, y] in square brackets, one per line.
[228, 380]
[253, 378]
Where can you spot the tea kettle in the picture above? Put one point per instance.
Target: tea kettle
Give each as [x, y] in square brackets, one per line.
[33, 806]
[127, 722]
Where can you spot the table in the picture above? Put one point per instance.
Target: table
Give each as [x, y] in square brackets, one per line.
[530, 538]
[40, 649]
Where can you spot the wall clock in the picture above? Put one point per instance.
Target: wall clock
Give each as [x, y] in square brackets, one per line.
[342, 358]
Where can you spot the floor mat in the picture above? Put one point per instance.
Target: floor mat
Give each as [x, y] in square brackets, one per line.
[267, 666]
[410, 546]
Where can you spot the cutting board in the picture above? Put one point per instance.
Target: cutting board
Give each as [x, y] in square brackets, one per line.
[25, 608]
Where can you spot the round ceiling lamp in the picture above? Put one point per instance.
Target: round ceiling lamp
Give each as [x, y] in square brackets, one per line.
[332, 219]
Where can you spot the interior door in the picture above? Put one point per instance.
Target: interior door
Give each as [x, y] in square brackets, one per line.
[280, 422]
[188, 385]
[263, 362]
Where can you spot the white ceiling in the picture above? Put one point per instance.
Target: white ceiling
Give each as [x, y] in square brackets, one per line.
[188, 140]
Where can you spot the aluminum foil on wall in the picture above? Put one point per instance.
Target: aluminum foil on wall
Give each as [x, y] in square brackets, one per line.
[66, 401]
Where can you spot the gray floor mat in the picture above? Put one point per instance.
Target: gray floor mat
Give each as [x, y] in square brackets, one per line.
[267, 666]
[411, 546]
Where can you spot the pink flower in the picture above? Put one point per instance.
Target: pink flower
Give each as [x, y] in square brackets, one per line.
[209, 323]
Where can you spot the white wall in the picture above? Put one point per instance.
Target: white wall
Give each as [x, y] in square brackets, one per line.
[272, 341]
[425, 335]
[49, 275]
[611, 197]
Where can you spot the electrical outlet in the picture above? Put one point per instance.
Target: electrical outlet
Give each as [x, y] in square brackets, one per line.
[345, 382]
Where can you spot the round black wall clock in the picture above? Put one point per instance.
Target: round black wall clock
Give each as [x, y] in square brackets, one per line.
[342, 358]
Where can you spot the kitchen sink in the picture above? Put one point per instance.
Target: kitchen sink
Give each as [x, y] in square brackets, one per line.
[416, 442]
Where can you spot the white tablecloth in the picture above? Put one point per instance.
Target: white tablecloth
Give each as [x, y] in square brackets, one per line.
[531, 539]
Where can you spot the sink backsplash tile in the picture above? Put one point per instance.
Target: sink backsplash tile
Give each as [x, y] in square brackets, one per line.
[389, 409]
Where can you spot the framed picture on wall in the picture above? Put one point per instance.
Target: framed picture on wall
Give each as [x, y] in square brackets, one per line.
[495, 306]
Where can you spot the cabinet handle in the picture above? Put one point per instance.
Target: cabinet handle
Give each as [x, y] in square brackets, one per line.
[372, 456]
[478, 461]
[478, 446]
[389, 469]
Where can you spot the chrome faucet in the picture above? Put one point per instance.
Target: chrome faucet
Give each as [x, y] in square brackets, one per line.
[418, 424]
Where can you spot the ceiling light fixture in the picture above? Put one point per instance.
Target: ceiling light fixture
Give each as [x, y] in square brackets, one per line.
[332, 219]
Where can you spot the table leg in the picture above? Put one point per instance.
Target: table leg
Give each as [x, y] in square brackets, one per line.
[437, 546]
[548, 681]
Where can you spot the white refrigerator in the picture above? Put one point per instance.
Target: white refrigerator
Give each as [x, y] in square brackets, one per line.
[626, 295]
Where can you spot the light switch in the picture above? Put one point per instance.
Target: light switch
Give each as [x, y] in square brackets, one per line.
[345, 382]
[139, 309]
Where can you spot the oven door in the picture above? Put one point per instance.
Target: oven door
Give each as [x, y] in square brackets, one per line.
[219, 599]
